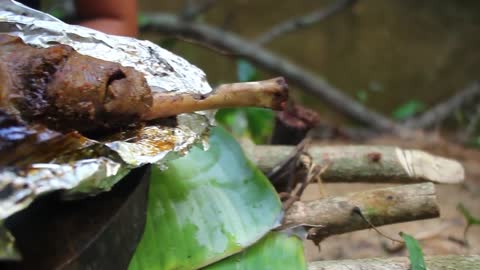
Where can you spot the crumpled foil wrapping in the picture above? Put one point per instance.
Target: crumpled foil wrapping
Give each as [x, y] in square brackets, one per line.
[163, 70]
[99, 165]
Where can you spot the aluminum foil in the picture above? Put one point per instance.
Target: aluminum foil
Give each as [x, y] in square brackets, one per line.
[97, 165]
[163, 70]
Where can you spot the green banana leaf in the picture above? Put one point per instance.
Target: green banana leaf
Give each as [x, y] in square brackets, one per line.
[206, 206]
[277, 251]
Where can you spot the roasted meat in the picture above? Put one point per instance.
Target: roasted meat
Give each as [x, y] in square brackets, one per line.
[66, 90]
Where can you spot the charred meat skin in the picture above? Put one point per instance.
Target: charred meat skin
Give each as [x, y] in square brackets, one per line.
[66, 90]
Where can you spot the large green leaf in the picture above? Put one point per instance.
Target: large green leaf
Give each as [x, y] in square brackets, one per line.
[204, 207]
[276, 251]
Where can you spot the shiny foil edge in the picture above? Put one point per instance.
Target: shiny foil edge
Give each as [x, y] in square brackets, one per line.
[163, 70]
[89, 176]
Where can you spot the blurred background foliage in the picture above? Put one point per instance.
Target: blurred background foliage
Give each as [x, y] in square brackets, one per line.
[396, 57]
[424, 50]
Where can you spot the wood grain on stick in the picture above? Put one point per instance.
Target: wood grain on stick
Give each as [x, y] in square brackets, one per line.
[379, 164]
[339, 215]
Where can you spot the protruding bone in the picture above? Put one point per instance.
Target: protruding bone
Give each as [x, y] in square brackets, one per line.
[271, 93]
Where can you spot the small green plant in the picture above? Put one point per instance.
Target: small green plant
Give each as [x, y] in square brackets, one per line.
[408, 109]
[476, 142]
[362, 95]
[469, 218]
[415, 253]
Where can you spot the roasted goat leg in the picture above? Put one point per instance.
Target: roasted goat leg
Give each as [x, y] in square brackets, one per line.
[65, 90]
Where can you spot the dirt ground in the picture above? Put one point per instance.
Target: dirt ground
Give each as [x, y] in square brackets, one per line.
[438, 236]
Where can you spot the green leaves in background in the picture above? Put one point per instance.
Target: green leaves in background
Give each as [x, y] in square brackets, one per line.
[471, 220]
[246, 72]
[256, 123]
[206, 206]
[408, 109]
[415, 253]
[362, 96]
[276, 251]
[374, 87]
[475, 142]
[142, 20]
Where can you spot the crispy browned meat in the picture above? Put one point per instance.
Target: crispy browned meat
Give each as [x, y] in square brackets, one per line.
[66, 90]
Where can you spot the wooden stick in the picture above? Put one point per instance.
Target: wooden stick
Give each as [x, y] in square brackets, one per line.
[339, 215]
[268, 94]
[456, 262]
[367, 163]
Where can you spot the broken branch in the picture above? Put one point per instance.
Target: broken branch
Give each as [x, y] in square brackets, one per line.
[456, 262]
[337, 215]
[367, 163]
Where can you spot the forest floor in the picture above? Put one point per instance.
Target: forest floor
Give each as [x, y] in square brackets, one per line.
[438, 236]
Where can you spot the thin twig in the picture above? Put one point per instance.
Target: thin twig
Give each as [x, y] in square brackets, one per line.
[302, 21]
[422, 235]
[356, 210]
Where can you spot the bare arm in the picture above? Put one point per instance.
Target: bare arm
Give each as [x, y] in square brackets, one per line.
[118, 17]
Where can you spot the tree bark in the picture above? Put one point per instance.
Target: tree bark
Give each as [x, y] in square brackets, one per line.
[449, 262]
[367, 163]
[339, 215]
